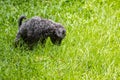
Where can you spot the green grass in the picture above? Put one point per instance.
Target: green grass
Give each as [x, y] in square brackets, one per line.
[90, 51]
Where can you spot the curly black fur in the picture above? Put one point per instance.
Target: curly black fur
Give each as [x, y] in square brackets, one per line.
[38, 29]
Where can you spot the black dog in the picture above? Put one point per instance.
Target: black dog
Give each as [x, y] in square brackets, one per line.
[37, 29]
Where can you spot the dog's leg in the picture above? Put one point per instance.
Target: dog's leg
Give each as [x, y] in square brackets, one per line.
[30, 46]
[56, 41]
[53, 40]
[43, 41]
[17, 39]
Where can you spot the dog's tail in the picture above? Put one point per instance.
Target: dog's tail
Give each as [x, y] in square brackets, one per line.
[20, 20]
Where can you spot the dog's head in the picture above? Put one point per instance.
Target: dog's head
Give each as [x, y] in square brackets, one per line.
[58, 34]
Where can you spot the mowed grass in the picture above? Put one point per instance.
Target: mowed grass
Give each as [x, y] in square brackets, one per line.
[90, 50]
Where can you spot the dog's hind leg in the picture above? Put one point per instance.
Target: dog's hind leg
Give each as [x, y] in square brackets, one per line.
[17, 39]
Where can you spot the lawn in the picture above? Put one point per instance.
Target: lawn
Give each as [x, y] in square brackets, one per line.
[90, 50]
